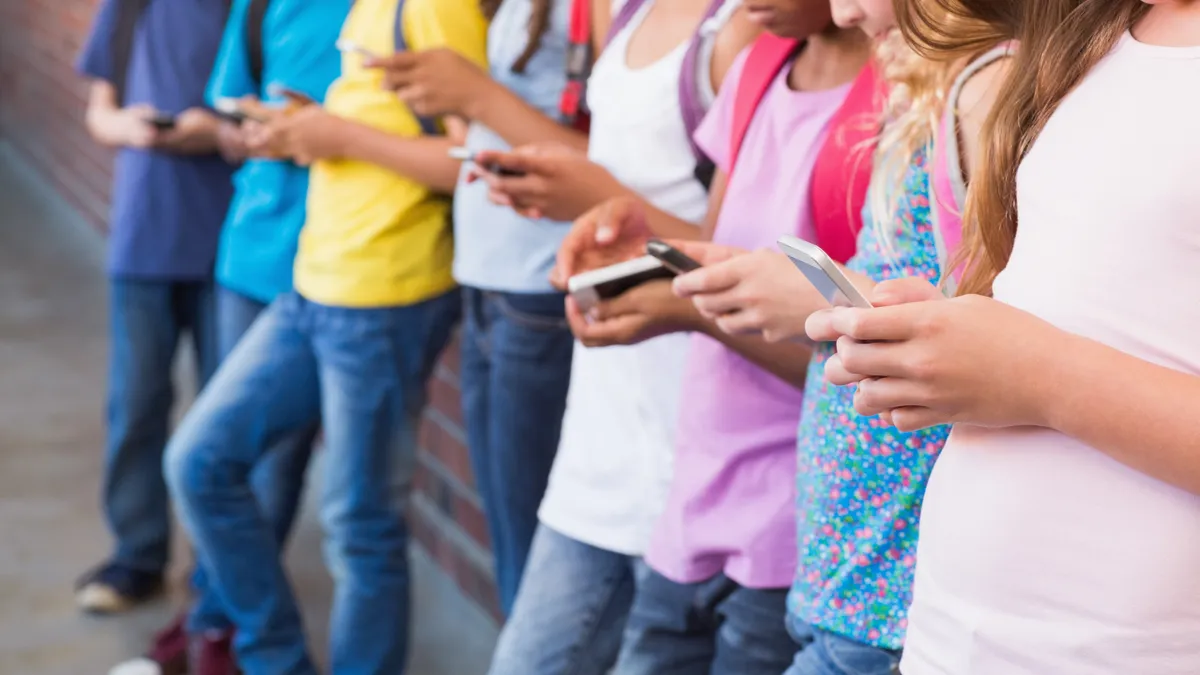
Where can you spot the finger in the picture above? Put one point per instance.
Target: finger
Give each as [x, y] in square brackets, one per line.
[617, 331]
[705, 252]
[412, 94]
[575, 318]
[837, 375]
[514, 161]
[915, 418]
[623, 304]
[875, 395]
[874, 359]
[708, 280]
[819, 326]
[720, 304]
[618, 216]
[901, 291]
[398, 61]
[882, 323]
[741, 323]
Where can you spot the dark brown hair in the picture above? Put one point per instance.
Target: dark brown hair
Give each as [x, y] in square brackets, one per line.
[539, 23]
[1059, 41]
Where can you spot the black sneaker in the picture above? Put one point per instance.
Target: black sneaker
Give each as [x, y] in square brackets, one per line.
[111, 588]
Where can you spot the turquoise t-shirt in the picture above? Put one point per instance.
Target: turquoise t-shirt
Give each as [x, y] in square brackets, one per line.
[258, 242]
[494, 248]
[860, 481]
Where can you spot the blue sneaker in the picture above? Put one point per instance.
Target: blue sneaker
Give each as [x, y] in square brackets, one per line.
[111, 588]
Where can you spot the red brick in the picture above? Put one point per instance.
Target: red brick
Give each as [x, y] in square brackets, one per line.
[444, 396]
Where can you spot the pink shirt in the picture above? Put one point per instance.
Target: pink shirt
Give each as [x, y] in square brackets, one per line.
[1038, 554]
[732, 502]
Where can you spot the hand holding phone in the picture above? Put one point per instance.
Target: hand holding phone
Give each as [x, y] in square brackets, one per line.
[345, 46]
[162, 121]
[296, 98]
[231, 110]
[466, 155]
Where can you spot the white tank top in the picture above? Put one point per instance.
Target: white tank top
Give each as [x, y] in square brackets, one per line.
[613, 469]
[1038, 554]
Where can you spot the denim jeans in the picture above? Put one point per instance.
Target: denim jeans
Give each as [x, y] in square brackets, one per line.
[713, 627]
[570, 611]
[363, 373]
[277, 480]
[823, 653]
[146, 321]
[516, 367]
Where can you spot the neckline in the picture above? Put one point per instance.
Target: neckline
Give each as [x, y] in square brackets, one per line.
[1131, 43]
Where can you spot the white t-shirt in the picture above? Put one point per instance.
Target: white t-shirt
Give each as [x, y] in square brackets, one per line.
[1040, 555]
[613, 470]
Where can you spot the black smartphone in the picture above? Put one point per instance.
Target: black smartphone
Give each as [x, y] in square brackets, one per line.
[671, 257]
[162, 121]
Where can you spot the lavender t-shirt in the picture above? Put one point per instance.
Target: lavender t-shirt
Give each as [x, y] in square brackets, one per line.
[732, 504]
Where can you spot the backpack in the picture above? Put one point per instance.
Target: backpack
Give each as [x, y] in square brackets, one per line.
[838, 188]
[129, 14]
[573, 104]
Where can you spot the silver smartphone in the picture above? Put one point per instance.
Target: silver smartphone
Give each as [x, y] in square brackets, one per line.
[591, 287]
[350, 46]
[820, 270]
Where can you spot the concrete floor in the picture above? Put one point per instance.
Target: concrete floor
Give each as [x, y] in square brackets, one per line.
[52, 372]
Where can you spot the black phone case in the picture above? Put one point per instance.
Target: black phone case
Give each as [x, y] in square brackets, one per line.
[611, 289]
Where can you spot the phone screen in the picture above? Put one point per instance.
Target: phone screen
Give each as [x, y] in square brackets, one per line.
[672, 258]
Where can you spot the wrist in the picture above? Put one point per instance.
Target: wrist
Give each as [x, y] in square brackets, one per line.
[1050, 378]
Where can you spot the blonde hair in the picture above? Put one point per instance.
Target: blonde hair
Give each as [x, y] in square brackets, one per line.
[1059, 41]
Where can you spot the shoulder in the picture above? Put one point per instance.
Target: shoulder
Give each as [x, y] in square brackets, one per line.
[980, 92]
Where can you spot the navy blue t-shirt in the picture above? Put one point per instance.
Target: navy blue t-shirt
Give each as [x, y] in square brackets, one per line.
[167, 209]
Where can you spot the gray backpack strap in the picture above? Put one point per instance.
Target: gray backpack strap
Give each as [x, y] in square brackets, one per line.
[429, 125]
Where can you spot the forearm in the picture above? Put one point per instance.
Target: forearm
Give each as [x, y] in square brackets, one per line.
[667, 226]
[425, 160]
[519, 123]
[786, 360]
[1140, 414]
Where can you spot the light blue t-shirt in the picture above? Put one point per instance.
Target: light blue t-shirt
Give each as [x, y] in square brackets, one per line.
[494, 248]
[258, 242]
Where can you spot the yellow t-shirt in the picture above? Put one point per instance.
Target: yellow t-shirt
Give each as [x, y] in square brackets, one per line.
[374, 238]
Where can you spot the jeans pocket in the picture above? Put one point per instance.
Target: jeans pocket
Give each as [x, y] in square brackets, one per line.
[855, 658]
[541, 312]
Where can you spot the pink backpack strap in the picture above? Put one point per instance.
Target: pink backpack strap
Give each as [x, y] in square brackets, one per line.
[842, 171]
[768, 55]
[948, 178]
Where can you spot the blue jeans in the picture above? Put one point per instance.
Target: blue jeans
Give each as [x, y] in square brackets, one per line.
[362, 373]
[146, 321]
[516, 367]
[823, 653]
[713, 627]
[570, 611]
[278, 480]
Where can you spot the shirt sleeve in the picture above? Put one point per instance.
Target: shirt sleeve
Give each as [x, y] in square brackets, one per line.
[231, 76]
[714, 133]
[95, 61]
[455, 24]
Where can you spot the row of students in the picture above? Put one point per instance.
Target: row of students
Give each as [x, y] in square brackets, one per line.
[707, 595]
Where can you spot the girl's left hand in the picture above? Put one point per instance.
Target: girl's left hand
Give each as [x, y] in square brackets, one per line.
[548, 181]
[433, 82]
[641, 313]
[940, 361]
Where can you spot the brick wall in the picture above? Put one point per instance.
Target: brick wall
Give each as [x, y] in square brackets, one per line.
[41, 115]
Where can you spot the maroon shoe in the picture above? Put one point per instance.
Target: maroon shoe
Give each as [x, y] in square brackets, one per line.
[168, 654]
[212, 654]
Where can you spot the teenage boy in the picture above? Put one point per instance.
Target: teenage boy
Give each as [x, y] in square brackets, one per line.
[169, 197]
[266, 41]
[353, 345]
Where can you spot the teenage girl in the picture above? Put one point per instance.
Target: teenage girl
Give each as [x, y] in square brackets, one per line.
[1061, 529]
[611, 474]
[516, 345]
[860, 483]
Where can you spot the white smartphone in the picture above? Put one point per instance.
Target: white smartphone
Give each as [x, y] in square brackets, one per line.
[231, 109]
[591, 287]
[349, 46]
[463, 154]
[822, 272]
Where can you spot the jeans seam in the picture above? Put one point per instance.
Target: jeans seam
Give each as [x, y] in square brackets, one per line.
[575, 660]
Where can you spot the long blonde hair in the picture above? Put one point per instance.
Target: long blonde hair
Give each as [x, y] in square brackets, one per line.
[1059, 41]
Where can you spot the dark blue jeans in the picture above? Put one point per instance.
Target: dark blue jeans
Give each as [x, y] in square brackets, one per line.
[714, 627]
[362, 373]
[516, 367]
[278, 480]
[146, 321]
[824, 653]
